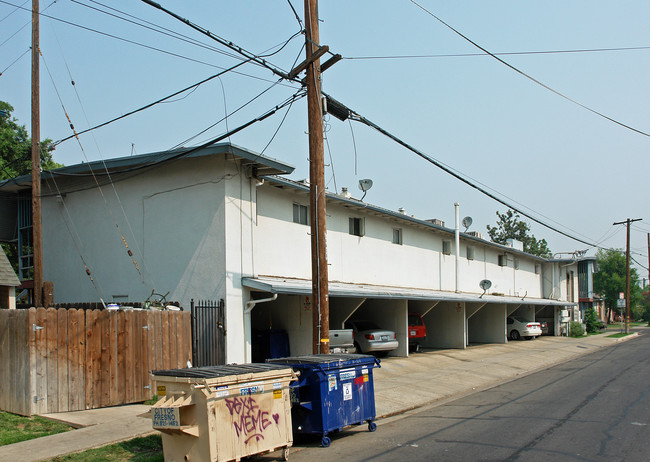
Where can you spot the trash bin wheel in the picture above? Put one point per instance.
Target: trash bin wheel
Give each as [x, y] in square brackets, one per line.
[372, 426]
[325, 442]
[285, 453]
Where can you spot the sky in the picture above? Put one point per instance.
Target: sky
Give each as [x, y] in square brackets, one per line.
[535, 142]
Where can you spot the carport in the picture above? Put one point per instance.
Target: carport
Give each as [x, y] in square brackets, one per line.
[453, 320]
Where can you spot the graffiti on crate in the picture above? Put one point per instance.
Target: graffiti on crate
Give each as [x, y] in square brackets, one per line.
[248, 419]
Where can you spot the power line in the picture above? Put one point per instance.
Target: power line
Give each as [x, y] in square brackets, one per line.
[15, 61]
[276, 70]
[147, 106]
[349, 113]
[532, 79]
[506, 53]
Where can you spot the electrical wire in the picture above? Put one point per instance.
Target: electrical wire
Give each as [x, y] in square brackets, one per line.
[147, 106]
[505, 53]
[18, 8]
[119, 201]
[296, 96]
[295, 13]
[358, 118]
[126, 245]
[276, 70]
[532, 79]
[15, 61]
[182, 143]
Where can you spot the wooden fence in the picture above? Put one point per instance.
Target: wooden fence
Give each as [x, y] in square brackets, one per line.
[68, 360]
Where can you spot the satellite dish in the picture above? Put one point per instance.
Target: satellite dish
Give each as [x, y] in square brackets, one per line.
[467, 222]
[365, 185]
[485, 284]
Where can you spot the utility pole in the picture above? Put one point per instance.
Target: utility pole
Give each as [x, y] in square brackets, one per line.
[319, 281]
[37, 232]
[627, 272]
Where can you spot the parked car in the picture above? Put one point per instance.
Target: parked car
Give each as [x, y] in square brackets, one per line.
[370, 338]
[417, 331]
[544, 326]
[519, 327]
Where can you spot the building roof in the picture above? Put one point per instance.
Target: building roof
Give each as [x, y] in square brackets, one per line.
[278, 285]
[7, 275]
[260, 164]
[356, 203]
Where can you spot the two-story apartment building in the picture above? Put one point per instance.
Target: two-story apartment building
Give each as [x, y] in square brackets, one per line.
[223, 223]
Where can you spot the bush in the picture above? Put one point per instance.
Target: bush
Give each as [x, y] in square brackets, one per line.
[576, 329]
[591, 320]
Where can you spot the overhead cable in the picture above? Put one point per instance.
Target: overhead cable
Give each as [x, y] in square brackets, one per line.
[296, 96]
[276, 70]
[506, 53]
[356, 117]
[543, 85]
[150, 104]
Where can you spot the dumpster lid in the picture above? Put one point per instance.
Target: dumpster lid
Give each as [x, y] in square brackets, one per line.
[209, 372]
[331, 360]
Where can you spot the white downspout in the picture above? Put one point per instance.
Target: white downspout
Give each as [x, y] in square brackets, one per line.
[457, 209]
[247, 321]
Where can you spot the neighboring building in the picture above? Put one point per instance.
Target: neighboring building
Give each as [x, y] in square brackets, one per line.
[220, 223]
[8, 283]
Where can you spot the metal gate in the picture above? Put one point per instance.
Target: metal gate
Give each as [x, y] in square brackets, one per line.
[208, 333]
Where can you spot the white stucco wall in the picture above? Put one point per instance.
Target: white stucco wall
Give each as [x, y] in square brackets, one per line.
[282, 248]
[173, 219]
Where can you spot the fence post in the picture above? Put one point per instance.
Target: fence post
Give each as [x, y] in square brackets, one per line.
[195, 343]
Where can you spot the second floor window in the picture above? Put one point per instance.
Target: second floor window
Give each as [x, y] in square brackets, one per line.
[300, 214]
[397, 236]
[357, 226]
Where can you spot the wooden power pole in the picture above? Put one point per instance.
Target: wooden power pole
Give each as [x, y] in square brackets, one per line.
[37, 232]
[320, 296]
[627, 273]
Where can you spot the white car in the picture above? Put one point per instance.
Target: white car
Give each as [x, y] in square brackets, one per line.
[370, 338]
[519, 327]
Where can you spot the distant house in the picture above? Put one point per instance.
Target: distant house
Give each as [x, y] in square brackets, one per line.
[222, 223]
[8, 283]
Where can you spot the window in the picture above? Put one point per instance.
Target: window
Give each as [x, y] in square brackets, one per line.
[397, 236]
[516, 263]
[357, 226]
[537, 268]
[446, 247]
[503, 260]
[470, 252]
[300, 214]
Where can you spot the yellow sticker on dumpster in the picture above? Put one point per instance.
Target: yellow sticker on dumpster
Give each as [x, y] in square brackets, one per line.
[277, 394]
[162, 390]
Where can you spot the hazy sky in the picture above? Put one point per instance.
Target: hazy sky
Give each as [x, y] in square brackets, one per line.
[564, 164]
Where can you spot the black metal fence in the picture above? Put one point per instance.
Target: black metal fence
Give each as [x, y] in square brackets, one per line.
[208, 333]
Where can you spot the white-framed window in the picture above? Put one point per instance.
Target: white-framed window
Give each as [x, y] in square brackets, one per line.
[357, 226]
[470, 252]
[397, 236]
[446, 247]
[300, 214]
[503, 260]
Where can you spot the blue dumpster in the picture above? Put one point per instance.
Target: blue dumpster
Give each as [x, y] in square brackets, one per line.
[333, 391]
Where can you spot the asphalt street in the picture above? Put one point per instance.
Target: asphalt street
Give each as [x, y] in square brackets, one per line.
[593, 408]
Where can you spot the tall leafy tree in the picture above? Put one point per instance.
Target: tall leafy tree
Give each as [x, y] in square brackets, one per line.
[511, 226]
[16, 146]
[609, 280]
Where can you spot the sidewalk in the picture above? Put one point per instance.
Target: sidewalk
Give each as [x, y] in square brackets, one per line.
[401, 384]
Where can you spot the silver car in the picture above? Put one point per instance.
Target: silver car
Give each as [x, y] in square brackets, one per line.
[370, 338]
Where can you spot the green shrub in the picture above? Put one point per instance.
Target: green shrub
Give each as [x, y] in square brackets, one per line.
[576, 329]
[591, 320]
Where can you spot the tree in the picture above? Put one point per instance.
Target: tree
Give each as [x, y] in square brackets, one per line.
[510, 226]
[16, 147]
[16, 159]
[609, 280]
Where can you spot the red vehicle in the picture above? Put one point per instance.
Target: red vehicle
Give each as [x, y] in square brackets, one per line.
[417, 331]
